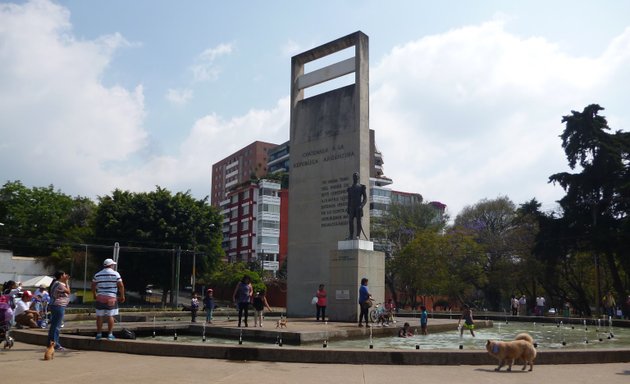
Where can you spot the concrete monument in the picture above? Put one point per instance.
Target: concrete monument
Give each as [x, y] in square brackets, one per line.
[329, 141]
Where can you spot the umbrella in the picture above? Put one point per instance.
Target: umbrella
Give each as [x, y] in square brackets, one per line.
[38, 281]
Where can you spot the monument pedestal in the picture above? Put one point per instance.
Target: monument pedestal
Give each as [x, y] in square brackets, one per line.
[349, 263]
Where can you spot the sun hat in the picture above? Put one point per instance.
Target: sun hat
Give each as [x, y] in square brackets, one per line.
[108, 262]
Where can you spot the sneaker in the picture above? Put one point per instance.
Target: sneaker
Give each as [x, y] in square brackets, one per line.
[99, 336]
[111, 337]
[59, 348]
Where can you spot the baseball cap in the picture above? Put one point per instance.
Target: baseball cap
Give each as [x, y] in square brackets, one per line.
[108, 262]
[27, 295]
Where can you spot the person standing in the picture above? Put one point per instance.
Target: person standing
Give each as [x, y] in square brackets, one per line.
[321, 303]
[424, 321]
[469, 322]
[522, 306]
[59, 299]
[194, 307]
[260, 302]
[208, 304]
[108, 289]
[540, 305]
[242, 296]
[365, 301]
[514, 305]
[609, 304]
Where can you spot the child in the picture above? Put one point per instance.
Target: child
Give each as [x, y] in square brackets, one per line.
[208, 304]
[405, 331]
[469, 323]
[424, 320]
[194, 307]
[260, 302]
[389, 310]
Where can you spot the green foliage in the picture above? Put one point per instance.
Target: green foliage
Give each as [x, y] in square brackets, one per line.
[448, 264]
[397, 228]
[151, 227]
[507, 242]
[229, 274]
[39, 220]
[595, 209]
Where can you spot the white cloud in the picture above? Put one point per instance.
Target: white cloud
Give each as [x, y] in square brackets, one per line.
[475, 112]
[205, 68]
[211, 139]
[59, 124]
[468, 114]
[179, 96]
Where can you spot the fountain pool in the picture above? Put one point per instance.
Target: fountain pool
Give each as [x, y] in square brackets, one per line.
[547, 336]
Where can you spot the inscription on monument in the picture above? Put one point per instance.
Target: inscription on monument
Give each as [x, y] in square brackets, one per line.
[334, 202]
[322, 156]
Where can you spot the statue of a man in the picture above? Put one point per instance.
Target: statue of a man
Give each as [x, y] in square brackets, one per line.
[356, 201]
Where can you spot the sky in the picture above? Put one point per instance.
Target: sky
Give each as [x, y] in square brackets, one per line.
[466, 97]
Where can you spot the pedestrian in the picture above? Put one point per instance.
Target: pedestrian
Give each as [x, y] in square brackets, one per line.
[208, 304]
[59, 299]
[321, 303]
[609, 304]
[260, 302]
[108, 290]
[522, 306]
[242, 296]
[194, 307]
[365, 301]
[469, 322]
[540, 306]
[514, 305]
[424, 320]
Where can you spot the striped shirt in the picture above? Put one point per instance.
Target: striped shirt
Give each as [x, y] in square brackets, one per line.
[107, 282]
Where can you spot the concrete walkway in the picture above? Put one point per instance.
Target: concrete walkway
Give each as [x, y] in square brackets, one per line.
[24, 363]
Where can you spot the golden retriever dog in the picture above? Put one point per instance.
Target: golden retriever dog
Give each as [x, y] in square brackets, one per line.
[50, 351]
[282, 322]
[508, 351]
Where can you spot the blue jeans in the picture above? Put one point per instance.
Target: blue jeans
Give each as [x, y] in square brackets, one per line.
[208, 314]
[56, 318]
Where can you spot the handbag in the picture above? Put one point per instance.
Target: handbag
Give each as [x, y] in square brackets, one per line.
[314, 300]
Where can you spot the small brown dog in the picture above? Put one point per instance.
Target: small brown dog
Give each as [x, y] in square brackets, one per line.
[508, 351]
[282, 323]
[50, 351]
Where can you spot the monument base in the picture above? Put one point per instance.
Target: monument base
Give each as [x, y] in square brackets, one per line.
[347, 268]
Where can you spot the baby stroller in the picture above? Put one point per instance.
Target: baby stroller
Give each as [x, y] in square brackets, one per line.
[6, 317]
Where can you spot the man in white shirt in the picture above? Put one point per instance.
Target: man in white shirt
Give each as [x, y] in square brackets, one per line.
[540, 306]
[108, 290]
[23, 314]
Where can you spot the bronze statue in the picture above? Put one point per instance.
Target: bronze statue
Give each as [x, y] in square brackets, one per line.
[357, 198]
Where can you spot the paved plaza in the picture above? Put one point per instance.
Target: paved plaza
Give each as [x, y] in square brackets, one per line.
[25, 363]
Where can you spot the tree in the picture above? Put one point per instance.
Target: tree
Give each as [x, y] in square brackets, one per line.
[39, 221]
[492, 223]
[398, 227]
[596, 207]
[432, 264]
[151, 228]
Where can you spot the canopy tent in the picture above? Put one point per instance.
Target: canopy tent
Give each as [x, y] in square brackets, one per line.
[38, 281]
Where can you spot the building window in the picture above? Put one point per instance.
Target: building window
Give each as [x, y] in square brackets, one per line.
[244, 241]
